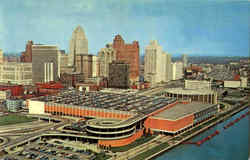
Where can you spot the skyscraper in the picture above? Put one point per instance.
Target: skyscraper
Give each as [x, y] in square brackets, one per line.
[95, 66]
[27, 54]
[168, 67]
[177, 70]
[78, 45]
[83, 65]
[106, 56]
[155, 63]
[128, 53]
[184, 60]
[45, 63]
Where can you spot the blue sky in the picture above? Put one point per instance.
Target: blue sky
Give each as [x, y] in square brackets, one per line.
[194, 27]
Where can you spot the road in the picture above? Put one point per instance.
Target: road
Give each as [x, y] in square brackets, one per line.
[17, 128]
[33, 134]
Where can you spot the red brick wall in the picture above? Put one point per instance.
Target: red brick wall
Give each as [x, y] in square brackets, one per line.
[27, 55]
[168, 125]
[128, 53]
[85, 112]
[121, 142]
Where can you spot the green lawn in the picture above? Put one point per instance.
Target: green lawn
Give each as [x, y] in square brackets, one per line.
[138, 142]
[14, 119]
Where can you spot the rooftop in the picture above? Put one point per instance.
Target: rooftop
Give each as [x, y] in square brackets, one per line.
[221, 74]
[182, 110]
[189, 91]
[112, 101]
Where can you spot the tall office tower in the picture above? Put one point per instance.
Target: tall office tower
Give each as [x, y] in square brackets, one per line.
[95, 66]
[106, 56]
[64, 68]
[26, 56]
[177, 70]
[184, 60]
[168, 67]
[128, 53]
[154, 63]
[1, 56]
[84, 65]
[64, 58]
[45, 63]
[118, 75]
[78, 45]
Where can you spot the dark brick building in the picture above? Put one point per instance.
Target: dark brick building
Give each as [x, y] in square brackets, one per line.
[118, 75]
[26, 56]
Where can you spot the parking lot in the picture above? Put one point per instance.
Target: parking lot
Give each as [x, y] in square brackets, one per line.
[47, 151]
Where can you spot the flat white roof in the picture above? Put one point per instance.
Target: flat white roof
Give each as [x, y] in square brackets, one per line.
[189, 91]
[181, 110]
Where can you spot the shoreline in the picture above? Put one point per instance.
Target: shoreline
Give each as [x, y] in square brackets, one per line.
[221, 119]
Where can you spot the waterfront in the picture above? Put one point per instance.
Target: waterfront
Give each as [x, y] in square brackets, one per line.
[230, 144]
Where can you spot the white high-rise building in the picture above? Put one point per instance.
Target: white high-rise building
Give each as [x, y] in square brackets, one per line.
[168, 67]
[155, 68]
[184, 60]
[177, 70]
[78, 45]
[95, 66]
[164, 70]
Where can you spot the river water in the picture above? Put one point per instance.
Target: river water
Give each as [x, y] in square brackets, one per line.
[230, 144]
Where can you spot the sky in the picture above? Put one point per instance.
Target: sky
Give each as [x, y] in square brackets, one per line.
[193, 27]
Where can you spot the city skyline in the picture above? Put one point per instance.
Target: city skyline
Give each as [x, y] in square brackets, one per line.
[210, 28]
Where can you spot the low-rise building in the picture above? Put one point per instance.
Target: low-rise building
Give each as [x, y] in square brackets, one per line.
[243, 82]
[180, 117]
[13, 105]
[232, 84]
[5, 94]
[195, 84]
[16, 73]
